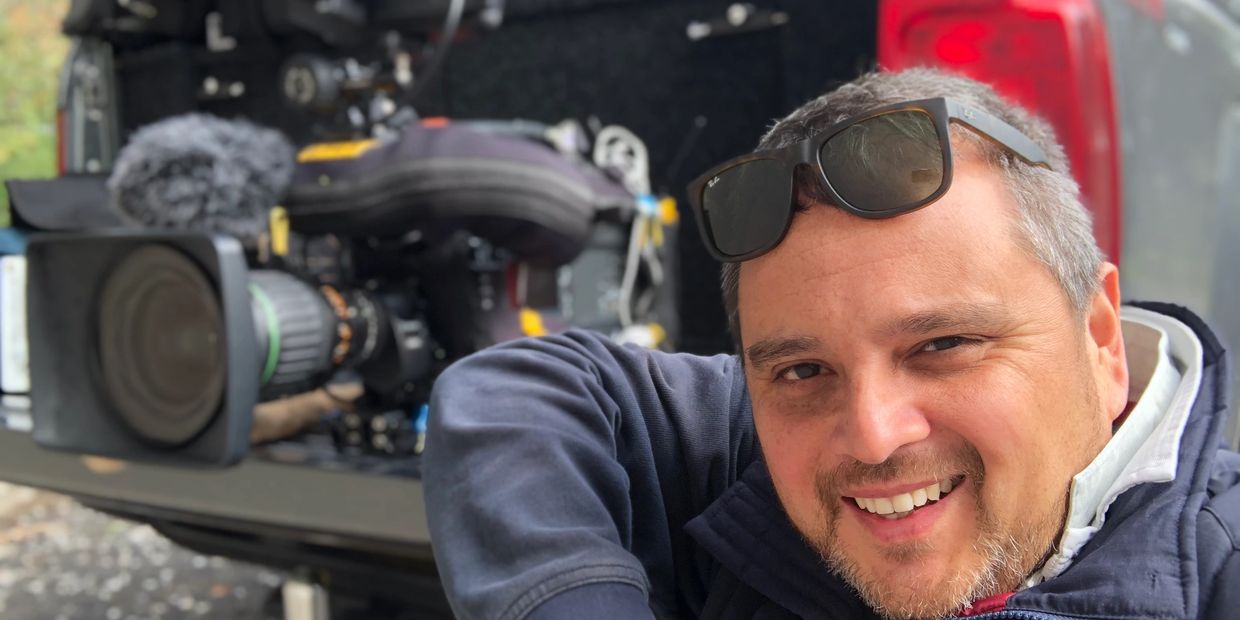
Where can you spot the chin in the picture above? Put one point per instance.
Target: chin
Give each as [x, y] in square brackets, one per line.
[964, 558]
[911, 580]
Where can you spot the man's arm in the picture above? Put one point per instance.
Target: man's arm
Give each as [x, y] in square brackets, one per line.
[559, 473]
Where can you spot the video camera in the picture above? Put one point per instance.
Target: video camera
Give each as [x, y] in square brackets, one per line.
[394, 264]
[154, 331]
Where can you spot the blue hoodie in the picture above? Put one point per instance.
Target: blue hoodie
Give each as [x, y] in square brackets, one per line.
[568, 477]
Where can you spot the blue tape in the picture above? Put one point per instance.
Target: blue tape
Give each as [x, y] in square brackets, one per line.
[648, 204]
[419, 422]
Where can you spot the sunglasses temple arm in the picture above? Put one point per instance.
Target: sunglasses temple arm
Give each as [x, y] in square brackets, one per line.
[1004, 135]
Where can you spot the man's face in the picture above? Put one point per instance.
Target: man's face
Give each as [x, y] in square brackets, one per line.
[890, 360]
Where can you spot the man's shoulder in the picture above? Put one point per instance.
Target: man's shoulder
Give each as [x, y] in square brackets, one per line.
[1222, 509]
[1218, 540]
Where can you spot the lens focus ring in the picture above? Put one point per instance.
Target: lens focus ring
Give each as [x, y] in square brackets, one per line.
[296, 330]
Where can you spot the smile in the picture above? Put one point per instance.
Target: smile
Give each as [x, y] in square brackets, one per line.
[905, 504]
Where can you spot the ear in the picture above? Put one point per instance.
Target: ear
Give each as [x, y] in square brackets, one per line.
[1106, 343]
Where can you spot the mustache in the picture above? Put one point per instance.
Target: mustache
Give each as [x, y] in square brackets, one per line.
[909, 465]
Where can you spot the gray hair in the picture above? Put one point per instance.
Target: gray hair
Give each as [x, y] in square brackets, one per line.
[1053, 225]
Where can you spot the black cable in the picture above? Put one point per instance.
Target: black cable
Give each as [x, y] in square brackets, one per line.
[451, 22]
[686, 149]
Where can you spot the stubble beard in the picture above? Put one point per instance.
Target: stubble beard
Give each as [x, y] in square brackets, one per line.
[1005, 556]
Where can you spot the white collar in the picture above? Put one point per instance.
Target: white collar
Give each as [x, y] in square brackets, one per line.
[1164, 366]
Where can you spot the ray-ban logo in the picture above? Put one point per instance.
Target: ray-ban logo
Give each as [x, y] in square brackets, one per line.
[711, 183]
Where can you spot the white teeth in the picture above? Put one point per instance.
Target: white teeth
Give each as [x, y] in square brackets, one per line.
[902, 505]
[919, 497]
[882, 505]
[902, 502]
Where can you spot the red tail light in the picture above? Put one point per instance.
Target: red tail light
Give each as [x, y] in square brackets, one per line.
[1048, 55]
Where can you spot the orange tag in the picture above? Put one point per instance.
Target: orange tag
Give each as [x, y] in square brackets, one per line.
[102, 465]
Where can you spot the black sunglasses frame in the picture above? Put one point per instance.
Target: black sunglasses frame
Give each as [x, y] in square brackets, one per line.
[941, 110]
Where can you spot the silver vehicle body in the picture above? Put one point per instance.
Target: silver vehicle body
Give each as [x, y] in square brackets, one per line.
[1177, 93]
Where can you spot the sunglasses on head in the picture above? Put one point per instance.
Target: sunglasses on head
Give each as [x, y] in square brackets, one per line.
[891, 160]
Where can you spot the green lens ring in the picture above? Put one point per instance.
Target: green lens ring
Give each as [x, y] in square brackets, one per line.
[273, 332]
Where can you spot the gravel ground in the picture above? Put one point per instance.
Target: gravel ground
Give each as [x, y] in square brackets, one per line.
[60, 560]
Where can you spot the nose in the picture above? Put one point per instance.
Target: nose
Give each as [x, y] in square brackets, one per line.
[881, 415]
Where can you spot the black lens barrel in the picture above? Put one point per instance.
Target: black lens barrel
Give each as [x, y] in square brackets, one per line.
[305, 334]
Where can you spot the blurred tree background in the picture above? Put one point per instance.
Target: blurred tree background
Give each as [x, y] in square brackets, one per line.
[31, 51]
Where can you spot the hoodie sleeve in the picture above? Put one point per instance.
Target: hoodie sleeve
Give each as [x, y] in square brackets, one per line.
[565, 468]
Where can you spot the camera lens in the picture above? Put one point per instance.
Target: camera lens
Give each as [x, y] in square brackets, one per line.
[161, 345]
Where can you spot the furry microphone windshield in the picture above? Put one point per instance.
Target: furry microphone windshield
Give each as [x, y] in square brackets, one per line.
[200, 172]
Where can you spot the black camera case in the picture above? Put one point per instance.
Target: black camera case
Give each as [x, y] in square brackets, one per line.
[518, 194]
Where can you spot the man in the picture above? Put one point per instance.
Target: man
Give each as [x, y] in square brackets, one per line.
[936, 410]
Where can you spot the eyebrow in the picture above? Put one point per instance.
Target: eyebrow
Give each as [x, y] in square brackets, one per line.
[763, 352]
[984, 316]
[968, 315]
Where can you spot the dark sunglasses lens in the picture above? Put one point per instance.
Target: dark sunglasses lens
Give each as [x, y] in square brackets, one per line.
[747, 205]
[888, 163]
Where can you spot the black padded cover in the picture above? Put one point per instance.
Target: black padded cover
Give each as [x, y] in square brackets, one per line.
[518, 194]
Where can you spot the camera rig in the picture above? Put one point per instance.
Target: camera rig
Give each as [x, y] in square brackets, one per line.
[403, 243]
[392, 258]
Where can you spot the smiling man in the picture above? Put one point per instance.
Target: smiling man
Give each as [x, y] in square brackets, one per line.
[937, 408]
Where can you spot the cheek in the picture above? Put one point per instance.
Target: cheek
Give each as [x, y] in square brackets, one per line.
[794, 448]
[994, 420]
[1021, 433]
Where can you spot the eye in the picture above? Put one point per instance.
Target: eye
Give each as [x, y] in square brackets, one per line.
[800, 372]
[943, 344]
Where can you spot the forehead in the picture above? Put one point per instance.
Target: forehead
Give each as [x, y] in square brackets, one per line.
[961, 248]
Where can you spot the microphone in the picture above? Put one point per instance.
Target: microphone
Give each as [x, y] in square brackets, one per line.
[203, 173]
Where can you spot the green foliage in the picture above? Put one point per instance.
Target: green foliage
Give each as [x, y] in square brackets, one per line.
[31, 52]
